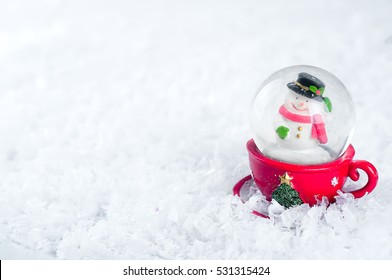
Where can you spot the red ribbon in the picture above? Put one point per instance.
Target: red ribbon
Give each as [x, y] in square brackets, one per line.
[318, 126]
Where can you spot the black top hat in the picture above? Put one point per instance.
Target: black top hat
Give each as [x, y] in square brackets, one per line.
[308, 86]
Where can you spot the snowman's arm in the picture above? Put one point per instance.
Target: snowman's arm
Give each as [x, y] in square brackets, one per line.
[281, 127]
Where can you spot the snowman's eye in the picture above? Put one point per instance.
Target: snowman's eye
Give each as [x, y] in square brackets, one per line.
[296, 98]
[307, 100]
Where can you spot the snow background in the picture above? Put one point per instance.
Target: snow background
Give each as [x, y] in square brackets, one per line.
[123, 127]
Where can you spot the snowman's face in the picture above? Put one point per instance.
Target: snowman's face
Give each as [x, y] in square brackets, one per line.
[297, 103]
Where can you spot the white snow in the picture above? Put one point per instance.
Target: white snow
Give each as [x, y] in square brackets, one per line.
[123, 127]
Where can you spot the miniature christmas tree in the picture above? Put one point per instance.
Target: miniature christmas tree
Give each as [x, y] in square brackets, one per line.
[285, 194]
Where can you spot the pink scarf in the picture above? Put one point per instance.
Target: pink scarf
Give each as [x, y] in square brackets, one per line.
[318, 126]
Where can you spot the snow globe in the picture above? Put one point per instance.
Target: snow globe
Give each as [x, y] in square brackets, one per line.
[303, 119]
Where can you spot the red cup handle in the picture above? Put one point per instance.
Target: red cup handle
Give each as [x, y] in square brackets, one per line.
[370, 171]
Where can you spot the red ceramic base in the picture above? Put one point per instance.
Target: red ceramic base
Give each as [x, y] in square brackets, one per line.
[311, 182]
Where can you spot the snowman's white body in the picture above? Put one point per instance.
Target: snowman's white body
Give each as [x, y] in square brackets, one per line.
[299, 136]
[299, 146]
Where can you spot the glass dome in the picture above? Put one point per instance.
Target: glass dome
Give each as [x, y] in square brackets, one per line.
[304, 115]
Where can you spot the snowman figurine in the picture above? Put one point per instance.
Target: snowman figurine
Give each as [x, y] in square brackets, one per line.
[300, 125]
